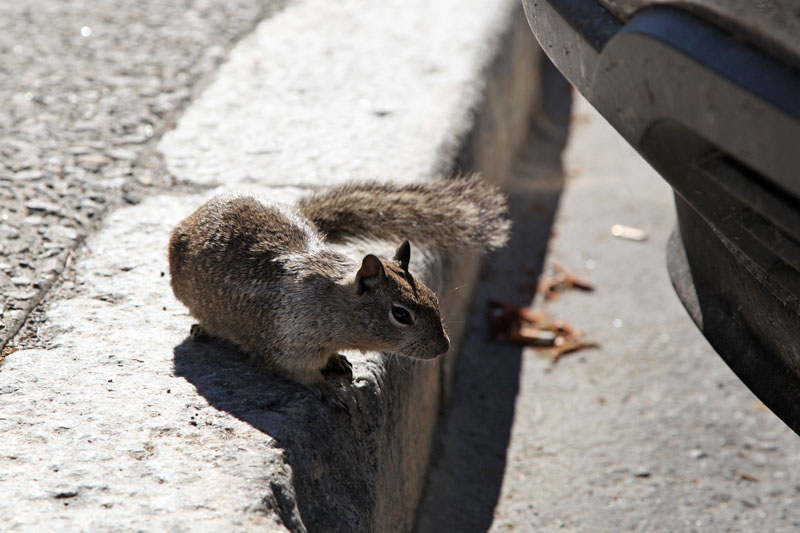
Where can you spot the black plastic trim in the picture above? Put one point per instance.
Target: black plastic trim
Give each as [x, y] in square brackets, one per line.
[719, 119]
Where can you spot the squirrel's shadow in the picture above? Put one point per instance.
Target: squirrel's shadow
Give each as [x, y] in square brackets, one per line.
[224, 376]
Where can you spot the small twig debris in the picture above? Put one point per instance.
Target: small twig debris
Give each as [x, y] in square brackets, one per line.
[530, 328]
[552, 286]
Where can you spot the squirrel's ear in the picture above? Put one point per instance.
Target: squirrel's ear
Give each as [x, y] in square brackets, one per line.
[403, 255]
[369, 274]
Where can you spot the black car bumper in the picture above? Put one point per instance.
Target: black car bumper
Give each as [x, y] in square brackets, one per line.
[719, 119]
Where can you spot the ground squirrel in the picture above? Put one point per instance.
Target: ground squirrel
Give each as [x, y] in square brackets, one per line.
[262, 275]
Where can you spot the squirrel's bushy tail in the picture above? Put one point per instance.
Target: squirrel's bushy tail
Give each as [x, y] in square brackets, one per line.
[446, 213]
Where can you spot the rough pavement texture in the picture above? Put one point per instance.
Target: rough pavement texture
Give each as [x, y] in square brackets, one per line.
[317, 124]
[651, 432]
[124, 424]
[89, 87]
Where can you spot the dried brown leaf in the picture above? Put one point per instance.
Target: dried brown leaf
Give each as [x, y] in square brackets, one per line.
[562, 279]
[530, 328]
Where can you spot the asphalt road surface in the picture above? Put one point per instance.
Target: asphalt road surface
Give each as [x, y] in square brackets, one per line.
[88, 89]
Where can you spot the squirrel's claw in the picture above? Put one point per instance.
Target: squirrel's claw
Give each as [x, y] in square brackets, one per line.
[330, 395]
[339, 365]
[198, 334]
[338, 403]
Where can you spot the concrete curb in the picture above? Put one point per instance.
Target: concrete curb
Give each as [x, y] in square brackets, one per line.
[124, 425]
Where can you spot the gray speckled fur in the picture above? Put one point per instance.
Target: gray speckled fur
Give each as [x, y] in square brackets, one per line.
[260, 274]
[445, 213]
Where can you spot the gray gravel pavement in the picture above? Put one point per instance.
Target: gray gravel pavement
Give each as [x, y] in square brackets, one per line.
[650, 432]
[88, 88]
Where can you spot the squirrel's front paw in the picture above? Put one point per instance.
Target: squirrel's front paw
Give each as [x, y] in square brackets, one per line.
[330, 395]
[198, 334]
[339, 365]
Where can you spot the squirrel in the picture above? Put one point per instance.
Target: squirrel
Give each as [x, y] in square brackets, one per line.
[263, 276]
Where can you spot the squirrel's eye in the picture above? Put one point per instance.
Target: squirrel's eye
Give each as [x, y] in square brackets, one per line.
[402, 315]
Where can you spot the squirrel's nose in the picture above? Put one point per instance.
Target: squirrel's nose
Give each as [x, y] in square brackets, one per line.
[444, 345]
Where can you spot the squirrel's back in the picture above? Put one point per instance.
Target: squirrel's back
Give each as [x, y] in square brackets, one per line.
[236, 245]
